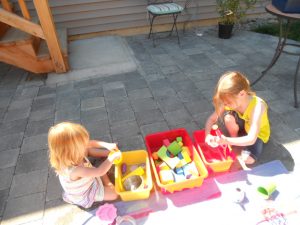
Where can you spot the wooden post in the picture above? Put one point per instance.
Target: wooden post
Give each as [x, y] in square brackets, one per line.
[6, 5]
[24, 9]
[46, 20]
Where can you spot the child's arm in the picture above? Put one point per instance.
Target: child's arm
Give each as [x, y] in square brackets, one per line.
[99, 171]
[94, 145]
[251, 137]
[212, 119]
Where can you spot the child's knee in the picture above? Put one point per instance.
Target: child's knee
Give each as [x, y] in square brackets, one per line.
[231, 124]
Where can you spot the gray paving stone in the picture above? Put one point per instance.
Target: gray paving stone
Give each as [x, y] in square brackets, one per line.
[125, 130]
[27, 92]
[92, 103]
[46, 90]
[38, 127]
[282, 106]
[206, 85]
[190, 127]
[183, 85]
[60, 212]
[69, 101]
[9, 158]
[27, 162]
[118, 104]
[54, 189]
[42, 114]
[20, 104]
[140, 105]
[3, 198]
[34, 143]
[293, 119]
[11, 141]
[201, 118]
[24, 209]
[124, 115]
[17, 114]
[43, 103]
[139, 94]
[67, 114]
[169, 69]
[96, 114]
[6, 176]
[163, 92]
[134, 84]
[180, 116]
[115, 93]
[131, 143]
[190, 95]
[169, 103]
[91, 92]
[13, 127]
[150, 116]
[4, 102]
[199, 107]
[28, 183]
[154, 127]
[97, 128]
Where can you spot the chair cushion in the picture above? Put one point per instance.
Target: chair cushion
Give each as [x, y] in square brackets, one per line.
[165, 8]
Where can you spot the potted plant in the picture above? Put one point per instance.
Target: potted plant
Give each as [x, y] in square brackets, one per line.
[231, 12]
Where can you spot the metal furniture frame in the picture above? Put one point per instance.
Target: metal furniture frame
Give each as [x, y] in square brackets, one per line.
[282, 42]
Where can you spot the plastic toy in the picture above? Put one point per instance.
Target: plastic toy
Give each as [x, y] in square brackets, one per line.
[162, 154]
[139, 171]
[116, 161]
[155, 155]
[133, 182]
[166, 176]
[124, 168]
[174, 148]
[190, 170]
[107, 213]
[166, 142]
[179, 139]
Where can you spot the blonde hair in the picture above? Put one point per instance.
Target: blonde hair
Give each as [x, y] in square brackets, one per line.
[67, 143]
[229, 86]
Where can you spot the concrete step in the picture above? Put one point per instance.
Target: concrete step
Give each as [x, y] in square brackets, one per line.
[43, 53]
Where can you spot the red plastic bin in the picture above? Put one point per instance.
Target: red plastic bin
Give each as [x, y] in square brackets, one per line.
[155, 141]
[217, 159]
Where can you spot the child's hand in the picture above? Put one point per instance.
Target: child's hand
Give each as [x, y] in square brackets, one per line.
[212, 140]
[114, 156]
[111, 146]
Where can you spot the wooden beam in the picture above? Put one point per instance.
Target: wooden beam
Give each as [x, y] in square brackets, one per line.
[46, 20]
[21, 23]
[24, 9]
[6, 5]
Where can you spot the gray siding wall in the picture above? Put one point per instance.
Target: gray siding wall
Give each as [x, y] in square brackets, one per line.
[87, 16]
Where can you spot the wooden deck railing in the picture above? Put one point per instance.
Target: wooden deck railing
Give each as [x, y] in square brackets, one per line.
[45, 31]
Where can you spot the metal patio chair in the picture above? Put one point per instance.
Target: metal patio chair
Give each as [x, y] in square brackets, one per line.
[157, 8]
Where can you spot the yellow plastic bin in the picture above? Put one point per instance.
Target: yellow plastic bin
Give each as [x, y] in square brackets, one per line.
[155, 141]
[134, 158]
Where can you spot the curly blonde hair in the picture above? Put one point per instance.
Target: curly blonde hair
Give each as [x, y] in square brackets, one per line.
[229, 86]
[67, 143]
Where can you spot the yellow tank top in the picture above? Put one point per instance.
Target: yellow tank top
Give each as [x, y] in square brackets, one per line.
[264, 130]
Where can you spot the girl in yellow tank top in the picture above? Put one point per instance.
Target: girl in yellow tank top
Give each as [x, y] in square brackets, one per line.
[244, 115]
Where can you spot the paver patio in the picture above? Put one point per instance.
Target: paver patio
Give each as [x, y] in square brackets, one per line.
[171, 88]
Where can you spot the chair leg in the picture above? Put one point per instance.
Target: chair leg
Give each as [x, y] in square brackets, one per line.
[175, 25]
[151, 28]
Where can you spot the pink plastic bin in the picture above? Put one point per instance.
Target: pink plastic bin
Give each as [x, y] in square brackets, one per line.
[217, 159]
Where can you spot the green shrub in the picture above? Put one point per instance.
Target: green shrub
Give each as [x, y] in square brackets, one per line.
[273, 29]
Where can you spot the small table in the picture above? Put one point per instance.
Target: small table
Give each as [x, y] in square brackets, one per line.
[284, 29]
